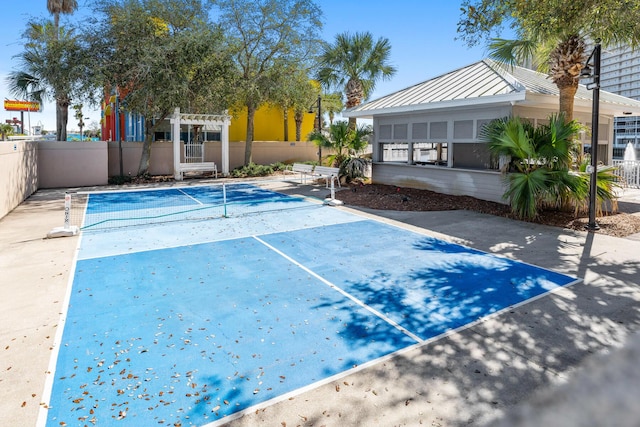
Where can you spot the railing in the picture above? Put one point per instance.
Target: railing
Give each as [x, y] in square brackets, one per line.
[629, 172]
[194, 152]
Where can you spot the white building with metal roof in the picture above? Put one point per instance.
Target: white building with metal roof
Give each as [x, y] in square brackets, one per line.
[427, 135]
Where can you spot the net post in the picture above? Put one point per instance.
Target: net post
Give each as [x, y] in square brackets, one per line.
[224, 199]
[67, 210]
[67, 230]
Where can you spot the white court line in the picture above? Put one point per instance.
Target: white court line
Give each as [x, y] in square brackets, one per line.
[343, 292]
[190, 196]
[43, 411]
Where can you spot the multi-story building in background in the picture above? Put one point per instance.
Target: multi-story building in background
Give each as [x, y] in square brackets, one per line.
[620, 74]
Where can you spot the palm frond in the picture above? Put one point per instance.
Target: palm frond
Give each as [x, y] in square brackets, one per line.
[512, 52]
[526, 190]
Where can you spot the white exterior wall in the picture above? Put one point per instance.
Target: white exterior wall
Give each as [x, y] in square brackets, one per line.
[481, 184]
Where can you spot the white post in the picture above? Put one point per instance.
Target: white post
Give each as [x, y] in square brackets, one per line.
[224, 199]
[67, 230]
[177, 172]
[67, 211]
[224, 136]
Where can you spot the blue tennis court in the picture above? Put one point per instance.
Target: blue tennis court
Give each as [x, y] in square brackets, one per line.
[193, 322]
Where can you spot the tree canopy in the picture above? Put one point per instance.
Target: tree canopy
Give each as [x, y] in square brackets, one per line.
[552, 34]
[612, 21]
[159, 55]
[267, 38]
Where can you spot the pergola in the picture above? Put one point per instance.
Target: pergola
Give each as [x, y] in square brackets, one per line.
[221, 120]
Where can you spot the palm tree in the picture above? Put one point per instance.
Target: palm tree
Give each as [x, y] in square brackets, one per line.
[56, 7]
[565, 57]
[5, 130]
[550, 34]
[332, 104]
[347, 145]
[51, 69]
[355, 62]
[540, 163]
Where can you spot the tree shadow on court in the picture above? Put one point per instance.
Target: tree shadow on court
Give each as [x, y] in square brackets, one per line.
[476, 375]
[458, 288]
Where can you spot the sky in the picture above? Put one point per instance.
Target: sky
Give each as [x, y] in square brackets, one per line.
[422, 34]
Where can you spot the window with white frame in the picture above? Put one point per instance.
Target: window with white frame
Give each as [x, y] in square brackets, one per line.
[395, 152]
[430, 153]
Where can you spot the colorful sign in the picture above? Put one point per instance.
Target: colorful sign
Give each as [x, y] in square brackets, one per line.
[15, 105]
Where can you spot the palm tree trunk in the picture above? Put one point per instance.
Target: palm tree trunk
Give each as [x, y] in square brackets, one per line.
[567, 97]
[62, 117]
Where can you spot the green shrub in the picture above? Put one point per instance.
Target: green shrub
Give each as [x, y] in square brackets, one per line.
[251, 170]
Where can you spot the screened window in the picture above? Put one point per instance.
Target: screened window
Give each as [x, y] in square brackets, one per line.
[400, 131]
[463, 129]
[419, 131]
[438, 130]
[385, 131]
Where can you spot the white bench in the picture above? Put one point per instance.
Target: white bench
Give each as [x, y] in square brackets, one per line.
[304, 170]
[327, 173]
[199, 167]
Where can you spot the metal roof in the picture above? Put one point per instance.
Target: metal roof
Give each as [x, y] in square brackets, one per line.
[484, 82]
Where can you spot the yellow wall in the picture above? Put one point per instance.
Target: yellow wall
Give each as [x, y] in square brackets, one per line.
[268, 125]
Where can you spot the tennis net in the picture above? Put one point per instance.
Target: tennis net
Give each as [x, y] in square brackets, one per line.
[110, 209]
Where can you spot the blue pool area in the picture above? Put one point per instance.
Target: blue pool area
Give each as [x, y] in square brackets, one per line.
[193, 322]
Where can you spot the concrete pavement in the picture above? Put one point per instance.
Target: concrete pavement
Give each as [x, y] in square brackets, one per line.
[474, 377]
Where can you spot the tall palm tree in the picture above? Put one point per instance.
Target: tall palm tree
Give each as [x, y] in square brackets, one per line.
[51, 68]
[347, 145]
[332, 104]
[562, 58]
[355, 62]
[5, 130]
[56, 7]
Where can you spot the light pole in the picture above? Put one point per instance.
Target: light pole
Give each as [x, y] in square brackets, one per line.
[319, 128]
[592, 225]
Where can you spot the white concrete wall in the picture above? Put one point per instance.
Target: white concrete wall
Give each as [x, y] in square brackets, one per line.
[18, 173]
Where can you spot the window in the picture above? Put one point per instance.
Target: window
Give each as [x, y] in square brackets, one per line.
[480, 124]
[212, 136]
[430, 153]
[162, 136]
[395, 152]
